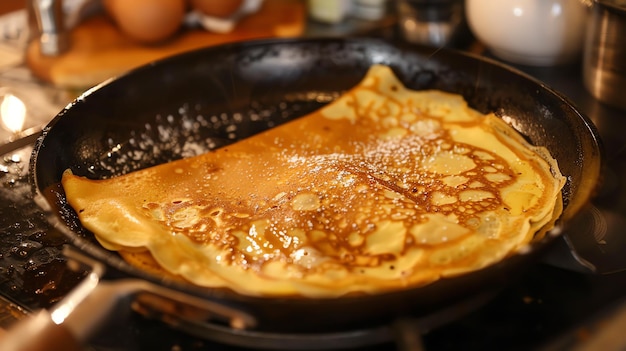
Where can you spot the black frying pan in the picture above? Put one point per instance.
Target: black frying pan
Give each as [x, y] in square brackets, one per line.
[214, 96]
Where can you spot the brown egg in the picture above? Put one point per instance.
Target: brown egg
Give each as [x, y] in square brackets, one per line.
[217, 8]
[147, 21]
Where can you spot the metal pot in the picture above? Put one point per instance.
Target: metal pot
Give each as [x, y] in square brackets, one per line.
[604, 59]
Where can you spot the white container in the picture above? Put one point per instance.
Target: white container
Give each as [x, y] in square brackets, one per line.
[329, 11]
[530, 32]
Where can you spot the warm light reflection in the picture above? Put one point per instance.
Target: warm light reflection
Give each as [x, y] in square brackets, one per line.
[13, 112]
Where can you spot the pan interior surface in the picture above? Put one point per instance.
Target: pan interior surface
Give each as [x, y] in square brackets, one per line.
[202, 100]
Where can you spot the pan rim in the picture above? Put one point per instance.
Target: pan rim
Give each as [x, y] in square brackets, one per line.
[119, 265]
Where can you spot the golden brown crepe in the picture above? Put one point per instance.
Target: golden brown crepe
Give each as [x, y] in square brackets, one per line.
[384, 188]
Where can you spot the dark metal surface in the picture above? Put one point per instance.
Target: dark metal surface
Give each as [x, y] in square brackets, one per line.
[32, 270]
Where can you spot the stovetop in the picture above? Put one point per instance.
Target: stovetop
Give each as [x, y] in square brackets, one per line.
[564, 300]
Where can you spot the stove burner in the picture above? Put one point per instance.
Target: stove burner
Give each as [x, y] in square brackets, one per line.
[405, 332]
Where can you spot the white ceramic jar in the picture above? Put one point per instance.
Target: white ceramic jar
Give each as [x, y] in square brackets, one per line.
[530, 32]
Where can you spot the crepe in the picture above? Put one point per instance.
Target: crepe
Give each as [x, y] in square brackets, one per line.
[383, 189]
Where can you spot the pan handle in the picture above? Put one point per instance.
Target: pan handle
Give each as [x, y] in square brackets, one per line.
[39, 333]
[68, 324]
[73, 320]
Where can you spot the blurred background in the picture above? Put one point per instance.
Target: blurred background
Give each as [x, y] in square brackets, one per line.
[52, 50]
[62, 47]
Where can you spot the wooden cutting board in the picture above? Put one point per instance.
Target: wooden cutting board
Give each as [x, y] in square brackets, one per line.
[99, 50]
